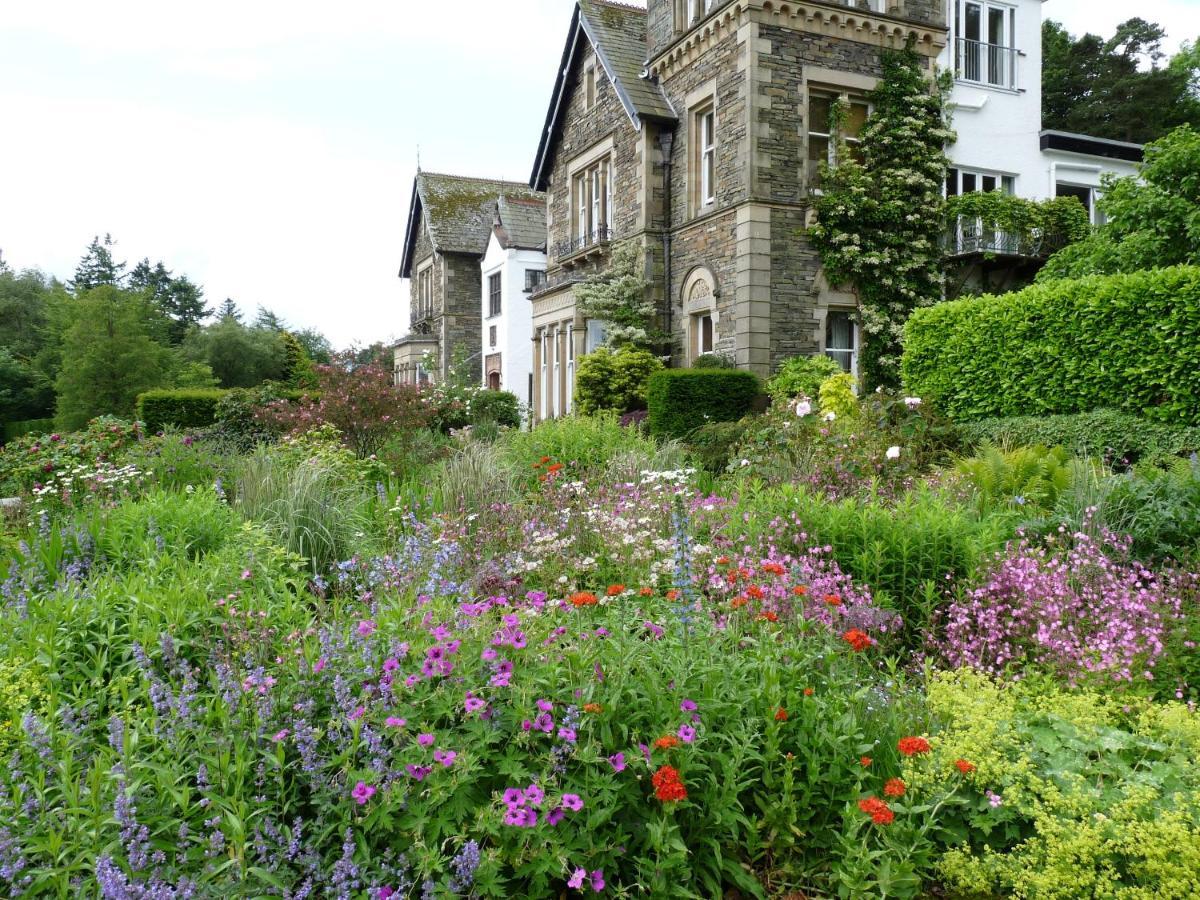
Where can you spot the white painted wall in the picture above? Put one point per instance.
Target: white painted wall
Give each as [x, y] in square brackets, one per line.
[998, 128]
[514, 325]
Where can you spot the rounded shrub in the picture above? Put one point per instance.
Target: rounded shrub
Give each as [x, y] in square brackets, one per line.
[608, 381]
[682, 400]
[801, 376]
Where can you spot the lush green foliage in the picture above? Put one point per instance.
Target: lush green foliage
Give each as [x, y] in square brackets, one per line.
[1129, 342]
[179, 408]
[681, 400]
[1024, 477]
[614, 381]
[501, 407]
[1034, 227]
[1104, 87]
[1118, 438]
[1151, 221]
[712, 361]
[880, 222]
[621, 297]
[801, 376]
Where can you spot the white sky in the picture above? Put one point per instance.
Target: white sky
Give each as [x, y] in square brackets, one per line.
[267, 149]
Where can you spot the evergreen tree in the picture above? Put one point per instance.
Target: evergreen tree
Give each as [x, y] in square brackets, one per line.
[179, 299]
[239, 356]
[229, 310]
[108, 356]
[98, 267]
[269, 320]
[316, 346]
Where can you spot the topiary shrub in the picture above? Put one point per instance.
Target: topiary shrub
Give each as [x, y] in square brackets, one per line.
[183, 408]
[1128, 342]
[712, 361]
[681, 400]
[500, 407]
[608, 381]
[801, 376]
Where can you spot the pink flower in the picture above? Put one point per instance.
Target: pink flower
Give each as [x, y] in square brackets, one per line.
[573, 802]
[534, 795]
[545, 706]
[385, 893]
[686, 705]
[555, 816]
[575, 882]
[247, 575]
[474, 704]
[597, 880]
[617, 761]
[319, 665]
[362, 792]
[365, 627]
[445, 757]
[687, 733]
[394, 722]
[280, 736]
[425, 739]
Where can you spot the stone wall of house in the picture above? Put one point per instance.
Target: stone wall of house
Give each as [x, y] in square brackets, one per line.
[710, 243]
[927, 12]
[422, 250]
[460, 325]
[583, 129]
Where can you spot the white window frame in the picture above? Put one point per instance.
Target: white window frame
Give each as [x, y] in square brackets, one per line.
[593, 202]
[697, 344]
[707, 128]
[855, 339]
[570, 404]
[496, 278]
[835, 95]
[992, 65]
[973, 234]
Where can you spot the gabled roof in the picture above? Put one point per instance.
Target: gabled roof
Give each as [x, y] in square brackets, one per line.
[521, 223]
[618, 34]
[458, 212]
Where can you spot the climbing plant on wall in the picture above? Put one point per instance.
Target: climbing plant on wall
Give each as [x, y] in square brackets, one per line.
[880, 217]
[619, 297]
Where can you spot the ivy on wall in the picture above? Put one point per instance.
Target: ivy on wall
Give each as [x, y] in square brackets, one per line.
[620, 297]
[881, 216]
[1033, 227]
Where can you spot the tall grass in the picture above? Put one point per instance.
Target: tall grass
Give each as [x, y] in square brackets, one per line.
[311, 507]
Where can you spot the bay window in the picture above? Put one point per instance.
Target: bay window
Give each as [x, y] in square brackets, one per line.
[593, 204]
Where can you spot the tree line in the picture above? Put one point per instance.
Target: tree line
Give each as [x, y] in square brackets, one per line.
[89, 346]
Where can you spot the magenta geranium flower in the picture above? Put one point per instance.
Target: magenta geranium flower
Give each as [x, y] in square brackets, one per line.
[617, 761]
[572, 802]
[555, 816]
[445, 757]
[687, 733]
[366, 627]
[425, 739]
[687, 705]
[597, 879]
[362, 792]
[575, 882]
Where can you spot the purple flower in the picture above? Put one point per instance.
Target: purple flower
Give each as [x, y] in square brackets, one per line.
[617, 761]
[474, 704]
[365, 628]
[994, 799]
[544, 723]
[597, 880]
[445, 757]
[567, 734]
[687, 733]
[688, 705]
[555, 815]
[575, 882]
[425, 739]
[520, 817]
[362, 792]
[573, 802]
[545, 706]
[418, 772]
[514, 797]
[394, 722]
[534, 795]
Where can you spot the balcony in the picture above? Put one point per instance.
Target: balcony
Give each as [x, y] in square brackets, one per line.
[986, 64]
[595, 241]
[977, 238]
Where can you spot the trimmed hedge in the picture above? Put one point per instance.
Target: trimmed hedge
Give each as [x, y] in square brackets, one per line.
[501, 407]
[1129, 342]
[184, 408]
[1117, 436]
[681, 400]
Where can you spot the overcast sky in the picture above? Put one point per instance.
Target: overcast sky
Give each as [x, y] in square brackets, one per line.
[267, 149]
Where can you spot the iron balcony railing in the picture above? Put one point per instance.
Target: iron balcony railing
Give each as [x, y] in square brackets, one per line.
[973, 237]
[989, 64]
[596, 238]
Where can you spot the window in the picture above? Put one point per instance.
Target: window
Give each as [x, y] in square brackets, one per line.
[593, 204]
[841, 339]
[985, 39]
[424, 301]
[705, 136]
[703, 334]
[967, 181]
[975, 234]
[589, 80]
[874, 5]
[1084, 194]
[492, 336]
[597, 334]
[823, 139]
[534, 279]
[494, 294]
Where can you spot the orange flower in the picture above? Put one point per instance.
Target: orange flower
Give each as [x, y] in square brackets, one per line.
[739, 602]
[880, 812]
[963, 766]
[672, 594]
[537, 465]
[756, 592]
[781, 715]
[554, 468]
[913, 746]
[799, 590]
[894, 787]
[668, 786]
[722, 560]
[769, 615]
[666, 742]
[544, 460]
[592, 708]
[858, 640]
[865, 761]
[773, 568]
[584, 598]
[646, 592]
[615, 589]
[833, 599]
[808, 692]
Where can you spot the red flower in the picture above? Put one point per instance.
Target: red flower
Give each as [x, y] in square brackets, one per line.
[739, 601]
[865, 761]
[756, 592]
[544, 460]
[584, 598]
[646, 592]
[667, 785]
[554, 468]
[769, 615]
[858, 640]
[615, 589]
[781, 715]
[808, 692]
[963, 766]
[880, 812]
[912, 746]
[894, 787]
[666, 742]
[672, 594]
[773, 568]
[799, 590]
[833, 599]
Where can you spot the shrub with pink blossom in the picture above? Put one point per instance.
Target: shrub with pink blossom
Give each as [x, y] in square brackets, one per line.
[1078, 605]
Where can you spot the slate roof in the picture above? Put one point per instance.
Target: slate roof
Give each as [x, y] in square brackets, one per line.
[618, 34]
[521, 223]
[458, 212]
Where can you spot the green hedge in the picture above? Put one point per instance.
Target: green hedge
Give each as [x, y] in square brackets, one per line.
[1114, 435]
[1128, 342]
[184, 408]
[681, 400]
[14, 430]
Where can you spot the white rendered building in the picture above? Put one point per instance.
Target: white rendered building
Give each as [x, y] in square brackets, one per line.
[512, 267]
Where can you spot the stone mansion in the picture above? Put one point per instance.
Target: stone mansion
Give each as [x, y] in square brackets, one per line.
[696, 129]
